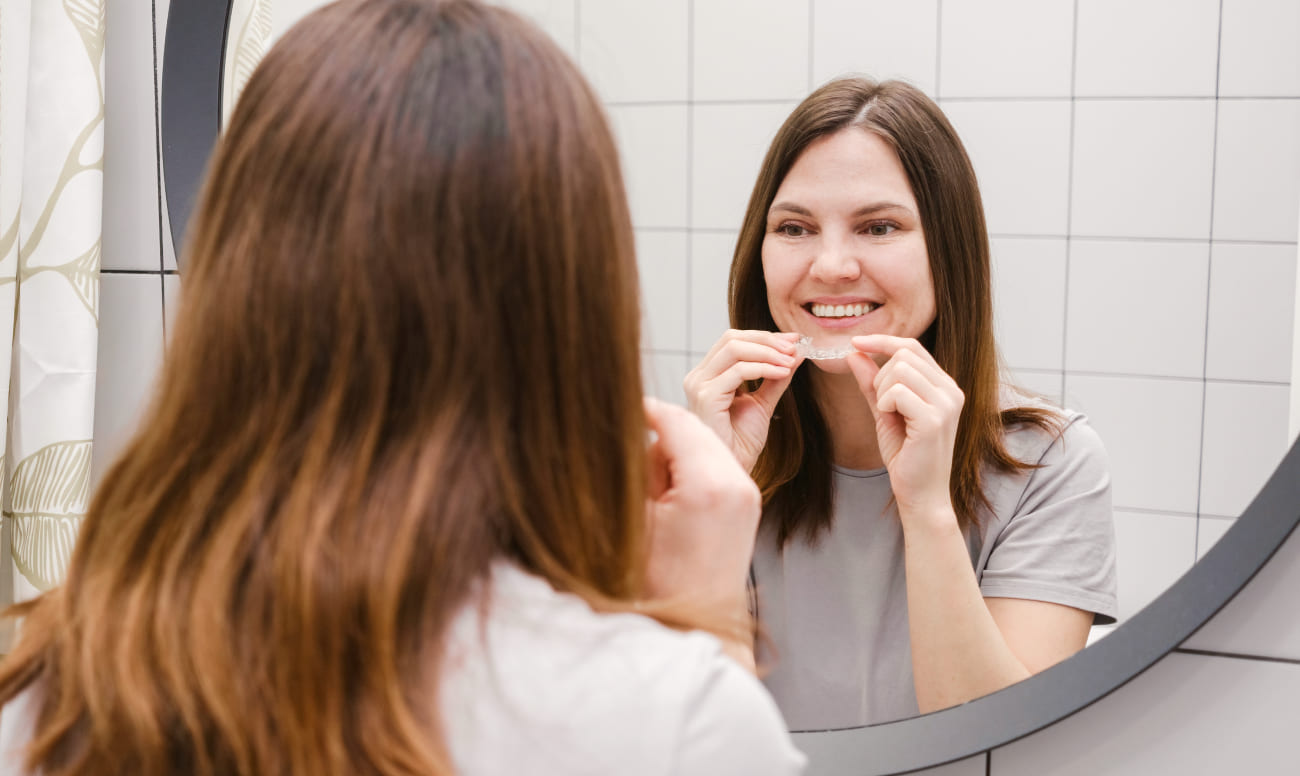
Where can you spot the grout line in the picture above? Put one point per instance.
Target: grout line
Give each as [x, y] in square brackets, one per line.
[1153, 511]
[1172, 378]
[812, 18]
[1101, 238]
[1209, 278]
[938, 45]
[690, 169]
[1069, 199]
[158, 180]
[1237, 656]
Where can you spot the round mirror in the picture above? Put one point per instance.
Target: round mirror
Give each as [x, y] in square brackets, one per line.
[1139, 237]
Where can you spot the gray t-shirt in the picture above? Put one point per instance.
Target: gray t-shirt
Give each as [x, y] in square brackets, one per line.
[835, 614]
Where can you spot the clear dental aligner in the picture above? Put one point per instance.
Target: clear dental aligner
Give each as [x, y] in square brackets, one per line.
[807, 349]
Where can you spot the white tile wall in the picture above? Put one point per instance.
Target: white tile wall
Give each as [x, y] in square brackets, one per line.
[755, 51]
[634, 51]
[1209, 530]
[1147, 48]
[710, 263]
[878, 38]
[1152, 432]
[1258, 53]
[1163, 546]
[1006, 48]
[1021, 154]
[653, 143]
[557, 17]
[662, 258]
[663, 374]
[1245, 438]
[1028, 294]
[1257, 170]
[727, 148]
[1251, 313]
[1137, 307]
[1143, 168]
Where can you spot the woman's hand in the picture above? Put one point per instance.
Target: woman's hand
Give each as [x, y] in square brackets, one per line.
[703, 512]
[917, 407]
[715, 388]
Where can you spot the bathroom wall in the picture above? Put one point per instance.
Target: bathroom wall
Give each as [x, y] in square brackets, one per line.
[1140, 164]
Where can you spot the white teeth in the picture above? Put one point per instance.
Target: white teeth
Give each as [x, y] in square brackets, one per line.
[842, 310]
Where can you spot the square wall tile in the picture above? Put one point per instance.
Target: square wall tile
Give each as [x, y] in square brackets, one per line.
[130, 353]
[1021, 154]
[1257, 170]
[1252, 312]
[1137, 307]
[556, 17]
[663, 374]
[1046, 384]
[652, 142]
[1209, 530]
[1261, 619]
[1147, 48]
[1028, 301]
[710, 265]
[1187, 714]
[662, 260]
[756, 50]
[1258, 55]
[131, 180]
[1152, 433]
[1153, 552]
[1006, 48]
[1142, 168]
[878, 38]
[1245, 438]
[636, 51]
[728, 143]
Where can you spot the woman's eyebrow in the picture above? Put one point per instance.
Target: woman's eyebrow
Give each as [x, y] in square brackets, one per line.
[868, 209]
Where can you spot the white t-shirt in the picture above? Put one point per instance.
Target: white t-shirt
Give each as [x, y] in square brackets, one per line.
[547, 686]
[835, 613]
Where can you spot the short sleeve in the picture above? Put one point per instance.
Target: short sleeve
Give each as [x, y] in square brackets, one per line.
[1059, 543]
[733, 728]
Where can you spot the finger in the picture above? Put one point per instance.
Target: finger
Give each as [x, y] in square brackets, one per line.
[781, 341]
[684, 441]
[900, 399]
[770, 392]
[900, 372]
[864, 371]
[731, 353]
[725, 385]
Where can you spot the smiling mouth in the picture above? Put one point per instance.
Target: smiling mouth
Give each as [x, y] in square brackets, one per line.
[841, 310]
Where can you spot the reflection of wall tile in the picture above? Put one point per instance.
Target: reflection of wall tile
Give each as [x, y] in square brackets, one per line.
[1153, 552]
[662, 258]
[710, 264]
[130, 226]
[727, 148]
[1245, 437]
[634, 50]
[1137, 307]
[1187, 714]
[1252, 312]
[758, 52]
[555, 16]
[1021, 154]
[1028, 294]
[1006, 48]
[1147, 48]
[1152, 432]
[130, 351]
[663, 373]
[652, 143]
[1257, 170]
[1143, 168]
[1209, 530]
[1261, 619]
[1258, 53]
[1044, 383]
[878, 38]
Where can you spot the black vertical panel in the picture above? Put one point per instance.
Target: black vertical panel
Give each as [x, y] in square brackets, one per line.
[194, 50]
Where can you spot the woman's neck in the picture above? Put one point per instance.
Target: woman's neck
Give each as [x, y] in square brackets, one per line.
[849, 421]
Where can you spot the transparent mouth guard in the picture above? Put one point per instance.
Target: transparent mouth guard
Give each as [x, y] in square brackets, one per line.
[807, 348]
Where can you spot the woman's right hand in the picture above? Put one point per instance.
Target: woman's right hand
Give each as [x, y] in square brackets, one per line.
[715, 389]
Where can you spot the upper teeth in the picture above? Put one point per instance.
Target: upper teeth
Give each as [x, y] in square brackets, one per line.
[842, 310]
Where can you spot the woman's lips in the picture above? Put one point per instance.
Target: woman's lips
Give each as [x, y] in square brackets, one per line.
[839, 316]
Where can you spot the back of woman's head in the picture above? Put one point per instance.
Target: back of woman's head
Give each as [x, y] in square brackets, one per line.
[407, 347]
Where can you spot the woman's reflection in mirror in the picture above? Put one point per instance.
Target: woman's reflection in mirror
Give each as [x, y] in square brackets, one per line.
[930, 533]
[393, 509]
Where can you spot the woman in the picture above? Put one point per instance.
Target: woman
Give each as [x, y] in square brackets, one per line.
[392, 510]
[929, 533]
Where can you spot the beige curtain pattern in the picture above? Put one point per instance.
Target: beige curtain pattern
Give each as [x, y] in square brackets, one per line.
[51, 194]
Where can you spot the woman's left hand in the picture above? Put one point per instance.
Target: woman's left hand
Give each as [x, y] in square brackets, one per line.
[917, 407]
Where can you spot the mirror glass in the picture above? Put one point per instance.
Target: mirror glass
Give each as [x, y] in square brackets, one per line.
[1142, 194]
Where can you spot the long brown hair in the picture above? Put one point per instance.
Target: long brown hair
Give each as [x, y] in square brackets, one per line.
[794, 469]
[408, 347]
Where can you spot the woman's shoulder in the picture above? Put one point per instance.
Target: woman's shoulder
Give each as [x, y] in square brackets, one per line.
[1062, 433]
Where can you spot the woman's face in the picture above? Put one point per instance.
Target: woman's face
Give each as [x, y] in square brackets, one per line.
[843, 252]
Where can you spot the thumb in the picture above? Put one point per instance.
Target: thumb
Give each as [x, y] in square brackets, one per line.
[864, 371]
[770, 392]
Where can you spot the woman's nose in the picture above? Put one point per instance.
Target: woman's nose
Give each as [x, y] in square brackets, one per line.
[835, 261]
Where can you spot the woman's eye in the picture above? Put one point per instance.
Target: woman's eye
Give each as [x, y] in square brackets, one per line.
[880, 230]
[792, 230]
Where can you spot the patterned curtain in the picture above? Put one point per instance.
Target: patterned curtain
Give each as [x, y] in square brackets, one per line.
[51, 193]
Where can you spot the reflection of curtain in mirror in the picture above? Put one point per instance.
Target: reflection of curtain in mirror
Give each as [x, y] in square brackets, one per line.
[51, 193]
[250, 26]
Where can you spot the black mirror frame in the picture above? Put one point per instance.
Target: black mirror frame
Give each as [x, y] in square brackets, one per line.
[194, 49]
